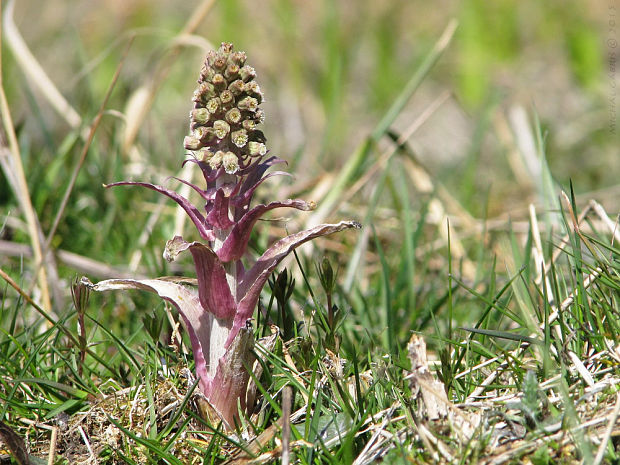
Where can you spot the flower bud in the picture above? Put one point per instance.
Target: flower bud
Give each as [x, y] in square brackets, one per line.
[199, 116]
[222, 128]
[236, 87]
[204, 154]
[233, 116]
[200, 132]
[204, 134]
[197, 97]
[256, 149]
[259, 116]
[219, 82]
[219, 64]
[232, 72]
[191, 143]
[227, 98]
[253, 89]
[248, 124]
[238, 58]
[203, 93]
[239, 138]
[206, 73]
[216, 160]
[230, 162]
[225, 49]
[213, 105]
[248, 103]
[247, 73]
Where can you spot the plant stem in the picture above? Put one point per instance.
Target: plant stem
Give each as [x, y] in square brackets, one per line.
[222, 234]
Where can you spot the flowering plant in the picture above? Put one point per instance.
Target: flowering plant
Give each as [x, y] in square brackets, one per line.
[230, 151]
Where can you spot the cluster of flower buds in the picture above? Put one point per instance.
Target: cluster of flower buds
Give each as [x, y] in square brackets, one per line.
[226, 112]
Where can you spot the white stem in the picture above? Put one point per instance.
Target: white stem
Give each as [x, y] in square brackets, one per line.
[222, 234]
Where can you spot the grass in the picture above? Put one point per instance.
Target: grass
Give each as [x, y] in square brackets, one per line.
[507, 269]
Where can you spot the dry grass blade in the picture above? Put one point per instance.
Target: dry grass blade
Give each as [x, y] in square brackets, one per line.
[539, 258]
[376, 444]
[287, 401]
[525, 142]
[581, 369]
[34, 71]
[15, 172]
[610, 428]
[614, 229]
[577, 227]
[587, 282]
[531, 146]
[77, 262]
[53, 442]
[513, 155]
[256, 445]
[566, 239]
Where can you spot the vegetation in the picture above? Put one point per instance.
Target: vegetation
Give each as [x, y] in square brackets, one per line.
[474, 317]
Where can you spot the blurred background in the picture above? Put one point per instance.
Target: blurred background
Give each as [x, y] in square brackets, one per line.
[329, 70]
[408, 116]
